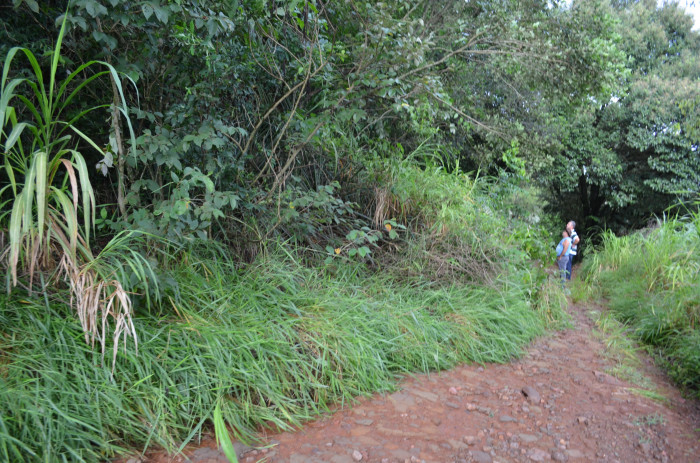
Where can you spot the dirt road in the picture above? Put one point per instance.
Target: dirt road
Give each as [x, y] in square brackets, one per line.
[554, 404]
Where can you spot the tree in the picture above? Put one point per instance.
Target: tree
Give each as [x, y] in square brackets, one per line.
[636, 154]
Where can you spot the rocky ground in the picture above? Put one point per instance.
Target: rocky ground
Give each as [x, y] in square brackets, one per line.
[557, 403]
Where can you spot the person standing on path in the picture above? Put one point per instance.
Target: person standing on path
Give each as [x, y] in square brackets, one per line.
[563, 255]
[573, 248]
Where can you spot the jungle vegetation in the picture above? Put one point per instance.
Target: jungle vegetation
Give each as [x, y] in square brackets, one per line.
[242, 211]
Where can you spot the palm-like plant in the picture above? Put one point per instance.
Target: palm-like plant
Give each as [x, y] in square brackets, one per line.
[48, 184]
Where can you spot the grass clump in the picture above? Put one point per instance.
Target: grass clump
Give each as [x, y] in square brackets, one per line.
[270, 346]
[651, 280]
[623, 353]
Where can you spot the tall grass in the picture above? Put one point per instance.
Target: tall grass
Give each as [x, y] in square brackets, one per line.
[48, 185]
[272, 345]
[652, 282]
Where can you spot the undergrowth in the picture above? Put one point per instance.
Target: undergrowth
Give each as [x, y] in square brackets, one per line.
[279, 342]
[651, 281]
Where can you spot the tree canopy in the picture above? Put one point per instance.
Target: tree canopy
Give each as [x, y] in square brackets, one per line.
[238, 109]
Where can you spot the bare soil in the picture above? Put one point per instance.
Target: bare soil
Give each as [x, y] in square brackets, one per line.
[556, 403]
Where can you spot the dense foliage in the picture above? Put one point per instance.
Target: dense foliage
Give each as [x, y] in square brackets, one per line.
[355, 188]
[242, 107]
[633, 153]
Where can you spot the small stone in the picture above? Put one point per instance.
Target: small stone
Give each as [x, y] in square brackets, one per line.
[385, 460]
[558, 455]
[452, 405]
[366, 422]
[469, 440]
[481, 457]
[528, 438]
[133, 460]
[480, 369]
[507, 419]
[537, 455]
[574, 453]
[582, 420]
[531, 394]
[356, 455]
[453, 390]
[436, 421]
[471, 407]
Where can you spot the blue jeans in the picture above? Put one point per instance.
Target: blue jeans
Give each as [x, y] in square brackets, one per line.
[563, 263]
[568, 266]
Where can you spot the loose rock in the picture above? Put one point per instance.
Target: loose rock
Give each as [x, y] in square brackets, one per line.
[481, 457]
[537, 455]
[356, 455]
[364, 422]
[528, 438]
[531, 394]
[469, 440]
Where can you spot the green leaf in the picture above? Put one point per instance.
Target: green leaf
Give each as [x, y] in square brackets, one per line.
[14, 135]
[32, 4]
[162, 14]
[223, 439]
[147, 10]
[95, 9]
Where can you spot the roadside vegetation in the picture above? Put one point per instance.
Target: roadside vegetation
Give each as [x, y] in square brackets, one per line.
[273, 343]
[650, 280]
[237, 213]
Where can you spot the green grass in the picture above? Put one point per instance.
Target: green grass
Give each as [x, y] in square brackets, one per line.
[622, 351]
[271, 346]
[651, 282]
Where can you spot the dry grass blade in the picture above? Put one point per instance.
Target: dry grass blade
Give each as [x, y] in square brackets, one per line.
[102, 306]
